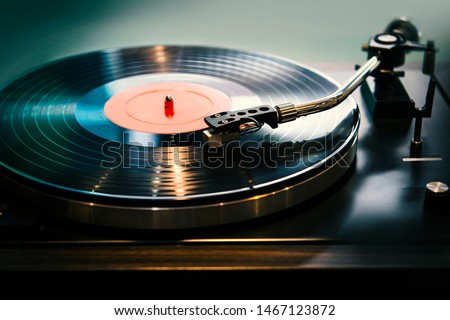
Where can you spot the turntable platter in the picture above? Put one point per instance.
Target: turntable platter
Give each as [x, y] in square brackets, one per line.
[92, 137]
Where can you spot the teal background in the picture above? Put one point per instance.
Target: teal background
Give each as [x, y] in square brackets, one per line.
[319, 31]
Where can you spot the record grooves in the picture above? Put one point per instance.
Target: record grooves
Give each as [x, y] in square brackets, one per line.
[56, 136]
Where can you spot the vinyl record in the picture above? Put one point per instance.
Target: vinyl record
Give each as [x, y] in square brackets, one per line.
[114, 137]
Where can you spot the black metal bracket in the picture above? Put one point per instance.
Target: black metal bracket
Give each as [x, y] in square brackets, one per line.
[228, 121]
[229, 125]
[389, 99]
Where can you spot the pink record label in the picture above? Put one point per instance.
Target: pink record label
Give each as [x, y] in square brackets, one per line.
[146, 109]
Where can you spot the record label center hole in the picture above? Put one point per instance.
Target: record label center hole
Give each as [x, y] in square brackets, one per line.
[166, 108]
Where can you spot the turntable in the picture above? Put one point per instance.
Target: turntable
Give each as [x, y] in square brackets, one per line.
[183, 158]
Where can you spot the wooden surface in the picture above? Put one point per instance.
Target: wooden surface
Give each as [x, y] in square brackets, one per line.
[132, 257]
[223, 271]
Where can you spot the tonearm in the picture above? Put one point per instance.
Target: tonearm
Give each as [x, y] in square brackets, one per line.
[386, 51]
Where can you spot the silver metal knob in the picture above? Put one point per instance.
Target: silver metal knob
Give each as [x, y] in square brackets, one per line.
[437, 198]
